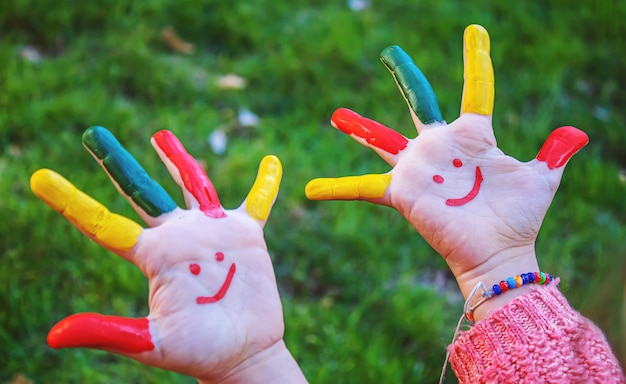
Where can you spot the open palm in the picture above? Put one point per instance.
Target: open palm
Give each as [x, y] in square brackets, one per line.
[474, 205]
[213, 299]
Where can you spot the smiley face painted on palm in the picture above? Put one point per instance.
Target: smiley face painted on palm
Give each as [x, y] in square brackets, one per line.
[196, 270]
[202, 243]
[478, 179]
[393, 147]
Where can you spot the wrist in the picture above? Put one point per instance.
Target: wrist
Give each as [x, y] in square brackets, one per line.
[272, 365]
[507, 263]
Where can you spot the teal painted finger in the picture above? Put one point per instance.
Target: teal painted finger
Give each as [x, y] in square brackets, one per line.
[413, 84]
[132, 179]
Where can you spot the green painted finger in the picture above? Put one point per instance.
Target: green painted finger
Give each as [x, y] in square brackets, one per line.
[131, 178]
[413, 84]
[365, 187]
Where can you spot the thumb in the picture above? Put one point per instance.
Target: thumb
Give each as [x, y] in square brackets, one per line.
[112, 333]
[561, 145]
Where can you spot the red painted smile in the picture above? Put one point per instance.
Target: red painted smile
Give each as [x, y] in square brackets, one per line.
[223, 289]
[471, 195]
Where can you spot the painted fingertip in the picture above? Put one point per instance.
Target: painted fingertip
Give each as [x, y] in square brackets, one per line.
[561, 145]
[52, 188]
[413, 84]
[100, 141]
[91, 330]
[477, 38]
[342, 116]
[92, 218]
[265, 188]
[364, 187]
[168, 143]
[188, 173]
[374, 133]
[129, 175]
[394, 56]
[317, 189]
[479, 82]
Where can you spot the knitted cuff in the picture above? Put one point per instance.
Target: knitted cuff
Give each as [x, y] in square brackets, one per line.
[536, 337]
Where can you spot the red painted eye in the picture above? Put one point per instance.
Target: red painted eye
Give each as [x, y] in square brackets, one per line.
[457, 163]
[219, 256]
[438, 179]
[194, 268]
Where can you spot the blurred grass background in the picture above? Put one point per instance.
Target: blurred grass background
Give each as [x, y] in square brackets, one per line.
[366, 299]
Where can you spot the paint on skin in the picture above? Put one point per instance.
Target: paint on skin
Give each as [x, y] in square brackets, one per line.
[413, 84]
[93, 330]
[472, 193]
[88, 215]
[195, 270]
[348, 188]
[222, 291]
[371, 131]
[193, 176]
[263, 192]
[132, 179]
[478, 88]
[561, 145]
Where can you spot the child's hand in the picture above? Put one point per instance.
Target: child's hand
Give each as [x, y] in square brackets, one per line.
[478, 208]
[214, 304]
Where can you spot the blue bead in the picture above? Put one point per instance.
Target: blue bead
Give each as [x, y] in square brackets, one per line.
[528, 278]
[496, 289]
[511, 283]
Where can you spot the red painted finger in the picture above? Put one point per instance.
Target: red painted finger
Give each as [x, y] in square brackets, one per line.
[561, 145]
[92, 330]
[374, 133]
[192, 175]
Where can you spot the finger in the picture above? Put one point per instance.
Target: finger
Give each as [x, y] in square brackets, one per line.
[263, 193]
[561, 145]
[384, 141]
[478, 88]
[413, 85]
[111, 333]
[110, 230]
[146, 196]
[365, 187]
[197, 187]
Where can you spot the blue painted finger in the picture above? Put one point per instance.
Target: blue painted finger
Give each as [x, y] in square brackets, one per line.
[413, 84]
[130, 177]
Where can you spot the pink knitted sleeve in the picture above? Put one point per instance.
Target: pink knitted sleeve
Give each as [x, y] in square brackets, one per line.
[536, 338]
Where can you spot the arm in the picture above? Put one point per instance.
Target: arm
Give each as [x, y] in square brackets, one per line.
[537, 338]
[215, 312]
[478, 208]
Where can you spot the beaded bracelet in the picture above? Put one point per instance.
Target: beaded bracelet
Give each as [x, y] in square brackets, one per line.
[541, 278]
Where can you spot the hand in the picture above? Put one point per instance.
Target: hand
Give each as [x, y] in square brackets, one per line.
[478, 208]
[215, 313]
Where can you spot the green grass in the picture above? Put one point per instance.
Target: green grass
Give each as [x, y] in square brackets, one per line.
[356, 280]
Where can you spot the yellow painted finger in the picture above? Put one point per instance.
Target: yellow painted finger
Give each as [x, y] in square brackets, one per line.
[478, 90]
[265, 188]
[111, 230]
[363, 187]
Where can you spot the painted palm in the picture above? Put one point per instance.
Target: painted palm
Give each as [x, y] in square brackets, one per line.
[213, 298]
[475, 205]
